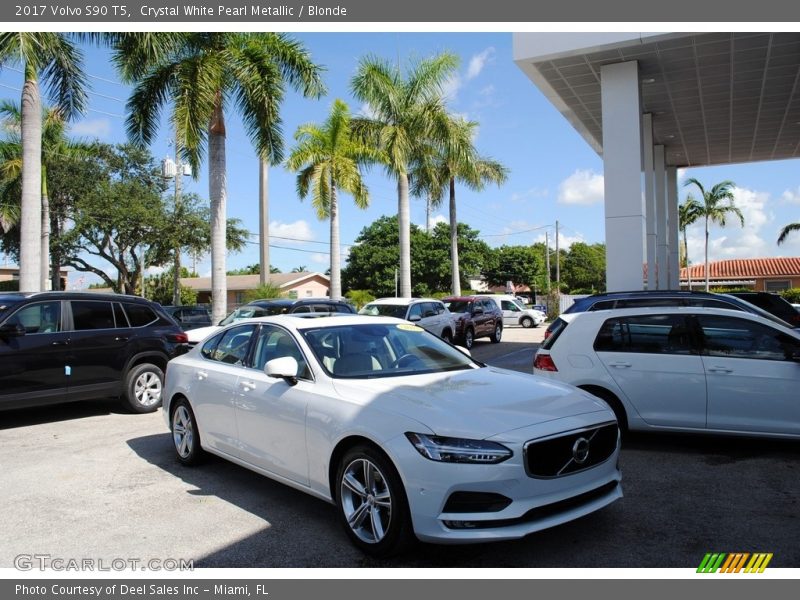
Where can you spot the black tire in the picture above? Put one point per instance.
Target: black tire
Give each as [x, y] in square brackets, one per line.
[497, 334]
[384, 528]
[527, 322]
[185, 435]
[447, 336]
[469, 338]
[144, 385]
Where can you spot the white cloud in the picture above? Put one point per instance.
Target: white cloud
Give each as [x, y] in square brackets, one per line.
[451, 87]
[487, 91]
[564, 241]
[583, 187]
[366, 111]
[297, 233]
[95, 128]
[439, 219]
[479, 61]
[320, 259]
[791, 196]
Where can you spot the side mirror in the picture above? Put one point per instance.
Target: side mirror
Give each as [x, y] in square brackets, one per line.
[477, 311]
[283, 368]
[414, 318]
[10, 330]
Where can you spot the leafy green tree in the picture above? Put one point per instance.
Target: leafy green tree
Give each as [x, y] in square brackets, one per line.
[330, 159]
[159, 289]
[263, 291]
[436, 268]
[52, 57]
[519, 264]
[359, 298]
[404, 109]
[786, 231]
[202, 74]
[584, 267]
[252, 270]
[715, 205]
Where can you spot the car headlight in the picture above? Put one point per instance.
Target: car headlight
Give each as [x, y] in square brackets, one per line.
[458, 450]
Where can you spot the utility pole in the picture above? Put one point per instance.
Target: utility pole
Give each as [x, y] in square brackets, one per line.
[263, 220]
[176, 265]
[547, 259]
[558, 263]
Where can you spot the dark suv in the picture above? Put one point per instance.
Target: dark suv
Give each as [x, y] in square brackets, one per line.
[190, 316]
[475, 317]
[68, 346]
[772, 303]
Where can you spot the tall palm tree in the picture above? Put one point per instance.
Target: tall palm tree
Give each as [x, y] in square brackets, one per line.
[55, 146]
[454, 158]
[403, 115]
[688, 213]
[786, 231]
[329, 159]
[717, 203]
[54, 58]
[204, 75]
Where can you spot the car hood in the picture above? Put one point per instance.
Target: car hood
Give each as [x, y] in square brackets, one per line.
[474, 403]
[198, 334]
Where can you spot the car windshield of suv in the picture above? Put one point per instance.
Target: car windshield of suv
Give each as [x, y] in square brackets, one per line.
[248, 312]
[385, 310]
[5, 308]
[458, 306]
[382, 350]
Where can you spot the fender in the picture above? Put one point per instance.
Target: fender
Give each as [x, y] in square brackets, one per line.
[139, 355]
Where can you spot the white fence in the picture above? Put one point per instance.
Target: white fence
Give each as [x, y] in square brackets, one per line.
[565, 301]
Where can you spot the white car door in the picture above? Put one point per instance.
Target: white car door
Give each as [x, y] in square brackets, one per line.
[270, 412]
[214, 377]
[511, 313]
[653, 361]
[753, 376]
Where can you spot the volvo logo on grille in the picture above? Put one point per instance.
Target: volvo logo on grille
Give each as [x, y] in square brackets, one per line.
[580, 450]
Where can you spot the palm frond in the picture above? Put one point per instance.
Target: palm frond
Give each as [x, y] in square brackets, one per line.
[786, 231]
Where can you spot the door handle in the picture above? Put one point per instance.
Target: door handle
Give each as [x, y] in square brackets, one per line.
[63, 343]
[121, 338]
[619, 364]
[718, 369]
[247, 386]
[201, 375]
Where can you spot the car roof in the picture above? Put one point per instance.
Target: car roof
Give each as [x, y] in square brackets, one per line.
[464, 298]
[402, 301]
[71, 295]
[299, 322]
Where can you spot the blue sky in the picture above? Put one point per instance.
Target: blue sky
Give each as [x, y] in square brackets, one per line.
[554, 174]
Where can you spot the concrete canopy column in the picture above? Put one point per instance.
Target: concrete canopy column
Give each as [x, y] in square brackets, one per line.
[672, 228]
[649, 198]
[622, 168]
[662, 243]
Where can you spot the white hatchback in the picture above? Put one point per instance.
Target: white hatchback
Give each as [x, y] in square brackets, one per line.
[405, 433]
[682, 369]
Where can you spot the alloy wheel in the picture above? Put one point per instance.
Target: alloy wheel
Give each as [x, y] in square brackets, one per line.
[366, 500]
[182, 431]
[147, 389]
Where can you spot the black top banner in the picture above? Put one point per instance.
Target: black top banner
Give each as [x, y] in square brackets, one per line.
[412, 11]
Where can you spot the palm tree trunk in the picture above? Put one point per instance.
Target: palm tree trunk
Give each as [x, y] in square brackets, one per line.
[217, 191]
[456, 274]
[428, 213]
[336, 275]
[176, 262]
[706, 267]
[686, 258]
[31, 206]
[404, 225]
[55, 264]
[263, 220]
[44, 252]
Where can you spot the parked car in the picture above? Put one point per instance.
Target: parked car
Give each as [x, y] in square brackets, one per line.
[475, 317]
[190, 316]
[682, 369]
[275, 306]
[429, 313]
[69, 346]
[404, 433]
[644, 298]
[514, 312]
[773, 304]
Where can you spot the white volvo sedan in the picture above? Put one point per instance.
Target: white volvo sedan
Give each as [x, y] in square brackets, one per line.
[404, 433]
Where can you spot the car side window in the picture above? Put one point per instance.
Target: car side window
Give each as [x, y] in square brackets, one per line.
[302, 309]
[415, 310]
[274, 342]
[210, 347]
[140, 315]
[646, 334]
[92, 314]
[709, 303]
[508, 305]
[438, 307]
[41, 317]
[232, 347]
[120, 319]
[429, 310]
[603, 305]
[730, 337]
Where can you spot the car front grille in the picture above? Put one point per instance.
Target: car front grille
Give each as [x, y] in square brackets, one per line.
[570, 452]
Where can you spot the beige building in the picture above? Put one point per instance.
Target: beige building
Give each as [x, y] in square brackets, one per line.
[11, 273]
[292, 285]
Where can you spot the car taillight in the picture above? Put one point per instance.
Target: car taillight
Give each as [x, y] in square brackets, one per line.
[544, 362]
[178, 338]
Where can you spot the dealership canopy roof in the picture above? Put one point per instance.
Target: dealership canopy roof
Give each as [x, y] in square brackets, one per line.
[716, 98]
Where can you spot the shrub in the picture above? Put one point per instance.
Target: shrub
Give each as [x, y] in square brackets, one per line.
[359, 298]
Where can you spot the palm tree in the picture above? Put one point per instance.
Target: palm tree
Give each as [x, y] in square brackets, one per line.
[688, 213]
[403, 115]
[454, 158]
[329, 159]
[203, 74]
[55, 146]
[53, 57]
[786, 231]
[299, 269]
[716, 204]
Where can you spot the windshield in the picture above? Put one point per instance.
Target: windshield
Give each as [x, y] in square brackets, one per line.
[248, 312]
[382, 350]
[5, 308]
[458, 306]
[385, 310]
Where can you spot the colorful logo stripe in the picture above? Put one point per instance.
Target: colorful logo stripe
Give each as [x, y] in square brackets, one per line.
[734, 562]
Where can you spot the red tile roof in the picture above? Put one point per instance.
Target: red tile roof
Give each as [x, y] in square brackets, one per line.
[745, 268]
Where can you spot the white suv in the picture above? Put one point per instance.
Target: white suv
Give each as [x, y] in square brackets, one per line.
[429, 313]
[694, 369]
[514, 312]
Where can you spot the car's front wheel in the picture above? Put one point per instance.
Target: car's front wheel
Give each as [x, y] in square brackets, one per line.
[526, 322]
[447, 336]
[469, 338]
[372, 502]
[143, 387]
[185, 436]
[497, 335]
